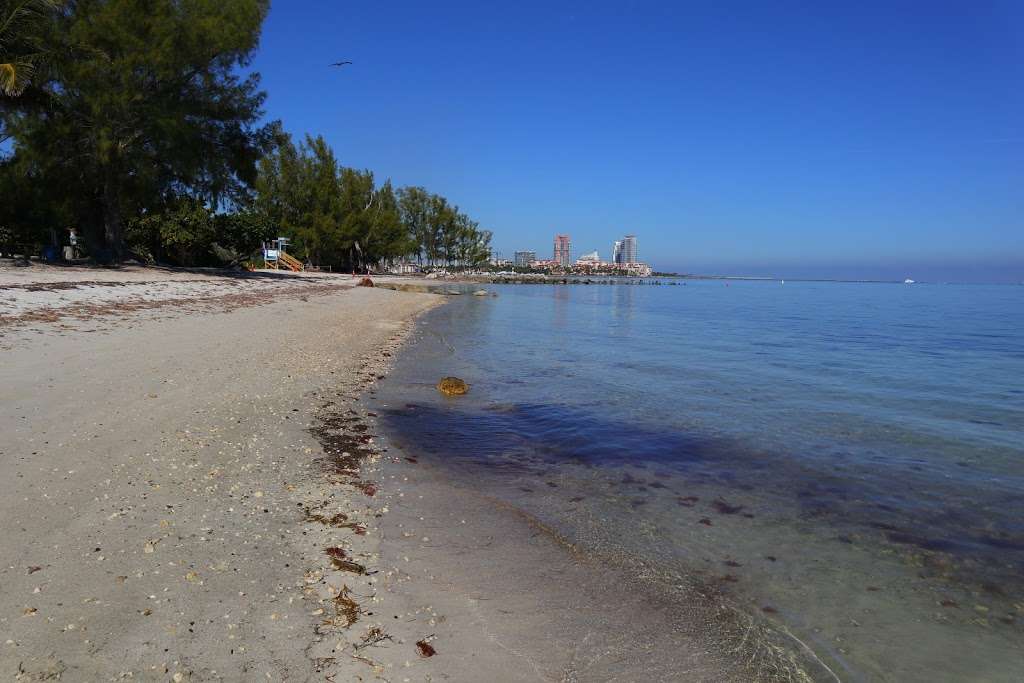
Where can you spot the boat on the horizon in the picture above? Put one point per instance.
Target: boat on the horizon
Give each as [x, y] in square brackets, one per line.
[908, 281]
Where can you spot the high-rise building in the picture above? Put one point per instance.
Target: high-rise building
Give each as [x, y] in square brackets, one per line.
[525, 258]
[563, 247]
[624, 251]
[629, 249]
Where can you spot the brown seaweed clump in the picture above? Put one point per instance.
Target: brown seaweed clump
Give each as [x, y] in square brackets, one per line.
[347, 610]
[342, 563]
[452, 386]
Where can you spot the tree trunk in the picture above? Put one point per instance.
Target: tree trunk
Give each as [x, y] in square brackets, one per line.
[112, 228]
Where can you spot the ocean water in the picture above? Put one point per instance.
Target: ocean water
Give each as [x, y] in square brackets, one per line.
[844, 462]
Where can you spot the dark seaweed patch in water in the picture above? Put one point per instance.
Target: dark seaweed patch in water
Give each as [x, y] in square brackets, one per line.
[538, 435]
[723, 508]
[921, 542]
[920, 507]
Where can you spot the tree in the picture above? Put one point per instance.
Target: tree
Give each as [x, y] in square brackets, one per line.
[27, 215]
[152, 105]
[414, 205]
[297, 188]
[182, 234]
[188, 233]
[389, 238]
[439, 221]
[338, 216]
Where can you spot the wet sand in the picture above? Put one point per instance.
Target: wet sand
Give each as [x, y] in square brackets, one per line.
[512, 600]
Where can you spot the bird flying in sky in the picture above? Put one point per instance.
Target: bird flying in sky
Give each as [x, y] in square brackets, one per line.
[340, 63]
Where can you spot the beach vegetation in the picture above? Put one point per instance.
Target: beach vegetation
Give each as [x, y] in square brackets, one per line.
[141, 126]
[139, 102]
[339, 216]
[189, 233]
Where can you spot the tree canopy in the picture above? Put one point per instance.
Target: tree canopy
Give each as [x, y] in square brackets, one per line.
[142, 102]
[141, 125]
[338, 216]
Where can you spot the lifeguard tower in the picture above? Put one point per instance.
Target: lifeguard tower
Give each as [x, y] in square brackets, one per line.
[275, 256]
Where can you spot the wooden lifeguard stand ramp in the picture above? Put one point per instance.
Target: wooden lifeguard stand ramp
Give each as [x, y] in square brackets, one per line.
[276, 258]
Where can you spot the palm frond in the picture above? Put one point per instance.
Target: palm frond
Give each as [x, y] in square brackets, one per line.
[20, 51]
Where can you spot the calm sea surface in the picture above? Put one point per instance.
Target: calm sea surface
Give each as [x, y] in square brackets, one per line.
[844, 461]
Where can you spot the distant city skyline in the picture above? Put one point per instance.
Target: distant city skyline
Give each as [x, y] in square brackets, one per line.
[623, 251]
[865, 139]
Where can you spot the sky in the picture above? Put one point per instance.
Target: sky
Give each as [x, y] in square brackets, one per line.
[877, 140]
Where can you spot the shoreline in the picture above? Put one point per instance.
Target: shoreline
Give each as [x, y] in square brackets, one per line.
[839, 581]
[530, 595]
[566, 610]
[216, 525]
[205, 488]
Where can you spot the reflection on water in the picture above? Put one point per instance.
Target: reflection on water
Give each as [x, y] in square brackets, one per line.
[846, 460]
[622, 307]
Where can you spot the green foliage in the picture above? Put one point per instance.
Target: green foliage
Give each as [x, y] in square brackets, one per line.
[138, 122]
[188, 233]
[238, 235]
[143, 100]
[27, 217]
[182, 234]
[337, 216]
[415, 205]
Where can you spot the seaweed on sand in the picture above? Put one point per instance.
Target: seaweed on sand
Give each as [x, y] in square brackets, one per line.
[346, 609]
[339, 520]
[374, 636]
[346, 612]
[425, 649]
[346, 445]
[341, 562]
[367, 488]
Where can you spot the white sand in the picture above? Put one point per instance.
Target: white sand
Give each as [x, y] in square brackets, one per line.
[154, 471]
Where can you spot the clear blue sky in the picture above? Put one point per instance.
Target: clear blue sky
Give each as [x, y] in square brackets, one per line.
[865, 139]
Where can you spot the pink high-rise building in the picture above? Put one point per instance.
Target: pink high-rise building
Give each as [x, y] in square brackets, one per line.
[563, 247]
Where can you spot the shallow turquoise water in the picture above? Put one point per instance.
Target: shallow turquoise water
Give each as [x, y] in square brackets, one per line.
[848, 458]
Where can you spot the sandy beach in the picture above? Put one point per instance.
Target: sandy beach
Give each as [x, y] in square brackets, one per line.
[194, 489]
[160, 482]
